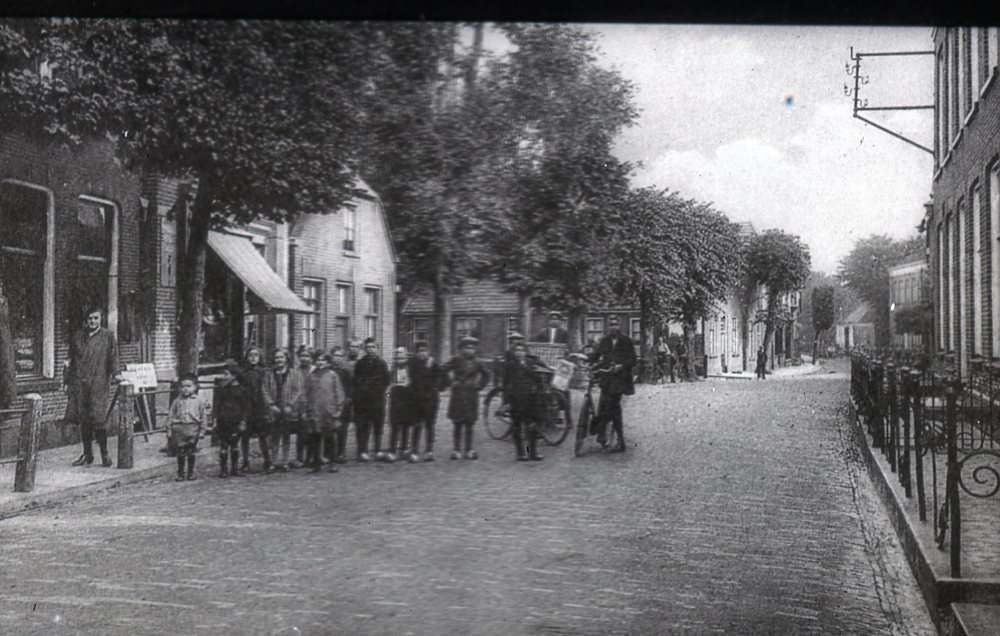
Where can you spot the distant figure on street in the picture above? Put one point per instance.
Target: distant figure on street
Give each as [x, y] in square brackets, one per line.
[186, 420]
[468, 376]
[761, 364]
[92, 365]
[553, 333]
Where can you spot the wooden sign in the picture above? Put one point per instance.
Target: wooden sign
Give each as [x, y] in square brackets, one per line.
[141, 376]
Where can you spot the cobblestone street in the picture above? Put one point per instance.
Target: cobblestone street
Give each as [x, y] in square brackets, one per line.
[739, 508]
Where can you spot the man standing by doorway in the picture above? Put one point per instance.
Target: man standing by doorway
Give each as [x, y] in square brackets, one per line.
[553, 333]
[615, 354]
[92, 364]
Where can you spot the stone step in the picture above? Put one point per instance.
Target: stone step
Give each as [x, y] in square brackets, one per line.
[972, 619]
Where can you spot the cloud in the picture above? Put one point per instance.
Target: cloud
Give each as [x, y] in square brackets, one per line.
[836, 181]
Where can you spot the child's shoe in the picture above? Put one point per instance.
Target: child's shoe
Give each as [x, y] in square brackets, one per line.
[429, 457]
[456, 454]
[390, 457]
[471, 454]
[414, 458]
[364, 457]
[380, 456]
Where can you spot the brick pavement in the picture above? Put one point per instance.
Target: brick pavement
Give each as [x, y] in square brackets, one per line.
[736, 510]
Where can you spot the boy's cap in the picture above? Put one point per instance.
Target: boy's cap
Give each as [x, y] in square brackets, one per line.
[468, 340]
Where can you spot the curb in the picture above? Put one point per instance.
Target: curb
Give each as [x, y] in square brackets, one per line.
[64, 495]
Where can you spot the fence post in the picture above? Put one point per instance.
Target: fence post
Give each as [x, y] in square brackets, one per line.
[126, 425]
[892, 415]
[918, 442]
[905, 477]
[951, 488]
[27, 445]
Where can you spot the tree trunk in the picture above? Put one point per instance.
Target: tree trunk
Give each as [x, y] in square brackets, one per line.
[442, 317]
[574, 326]
[524, 313]
[192, 247]
[647, 353]
[689, 352]
[815, 346]
[769, 324]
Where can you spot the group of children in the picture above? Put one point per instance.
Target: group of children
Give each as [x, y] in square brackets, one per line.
[317, 396]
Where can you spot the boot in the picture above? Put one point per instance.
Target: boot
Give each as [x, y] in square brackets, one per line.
[223, 465]
[533, 448]
[515, 434]
[180, 468]
[102, 443]
[190, 473]
[234, 461]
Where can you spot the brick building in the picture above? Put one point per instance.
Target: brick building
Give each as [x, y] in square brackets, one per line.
[70, 239]
[907, 280]
[963, 222]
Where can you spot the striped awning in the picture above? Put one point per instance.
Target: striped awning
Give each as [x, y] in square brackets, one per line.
[243, 259]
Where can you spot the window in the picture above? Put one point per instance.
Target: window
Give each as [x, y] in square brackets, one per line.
[27, 241]
[312, 294]
[595, 329]
[94, 279]
[940, 258]
[513, 325]
[977, 274]
[964, 76]
[343, 299]
[419, 330]
[635, 329]
[941, 101]
[350, 229]
[994, 235]
[736, 343]
[467, 327]
[371, 313]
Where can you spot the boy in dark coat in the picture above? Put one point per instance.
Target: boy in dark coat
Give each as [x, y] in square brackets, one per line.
[468, 376]
[229, 408]
[187, 417]
[426, 382]
[524, 390]
[371, 381]
[344, 371]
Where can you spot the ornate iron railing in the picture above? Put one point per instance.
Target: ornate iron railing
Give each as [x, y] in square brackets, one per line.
[931, 426]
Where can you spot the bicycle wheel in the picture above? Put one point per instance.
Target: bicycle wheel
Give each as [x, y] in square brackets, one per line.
[496, 414]
[558, 421]
[586, 413]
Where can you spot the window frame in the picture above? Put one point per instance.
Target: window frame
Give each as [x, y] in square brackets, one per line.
[311, 332]
[350, 243]
[48, 329]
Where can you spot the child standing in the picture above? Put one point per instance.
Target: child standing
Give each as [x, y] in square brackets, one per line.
[468, 377]
[371, 381]
[283, 387]
[426, 383]
[399, 405]
[259, 416]
[187, 415]
[325, 397]
[229, 407]
[523, 390]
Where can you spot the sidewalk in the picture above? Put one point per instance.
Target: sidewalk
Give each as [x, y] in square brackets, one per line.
[780, 372]
[58, 481]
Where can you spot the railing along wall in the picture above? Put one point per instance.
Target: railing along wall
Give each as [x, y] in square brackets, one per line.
[930, 425]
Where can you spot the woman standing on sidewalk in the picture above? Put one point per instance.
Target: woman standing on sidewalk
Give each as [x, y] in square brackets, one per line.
[284, 388]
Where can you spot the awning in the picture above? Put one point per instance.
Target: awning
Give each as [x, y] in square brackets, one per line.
[250, 267]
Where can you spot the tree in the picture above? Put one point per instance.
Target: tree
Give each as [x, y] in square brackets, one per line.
[258, 117]
[779, 262]
[823, 313]
[866, 270]
[675, 258]
[555, 175]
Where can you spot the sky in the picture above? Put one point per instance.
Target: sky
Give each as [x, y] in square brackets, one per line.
[754, 120]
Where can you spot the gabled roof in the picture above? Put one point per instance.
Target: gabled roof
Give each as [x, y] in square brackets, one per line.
[476, 297]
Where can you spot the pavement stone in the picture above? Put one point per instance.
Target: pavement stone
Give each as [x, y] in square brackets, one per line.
[737, 509]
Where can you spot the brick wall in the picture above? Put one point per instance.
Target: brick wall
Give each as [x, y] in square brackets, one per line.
[963, 168]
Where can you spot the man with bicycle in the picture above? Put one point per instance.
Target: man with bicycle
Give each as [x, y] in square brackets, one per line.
[615, 355]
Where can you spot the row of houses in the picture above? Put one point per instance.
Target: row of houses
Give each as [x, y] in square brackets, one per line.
[78, 229]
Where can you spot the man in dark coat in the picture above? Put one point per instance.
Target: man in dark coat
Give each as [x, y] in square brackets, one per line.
[92, 364]
[553, 333]
[468, 376]
[371, 381]
[615, 354]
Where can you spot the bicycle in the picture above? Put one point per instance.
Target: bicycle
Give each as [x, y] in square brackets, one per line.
[585, 425]
[554, 428]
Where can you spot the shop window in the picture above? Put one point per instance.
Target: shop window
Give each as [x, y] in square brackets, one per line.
[371, 313]
[595, 329]
[27, 237]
